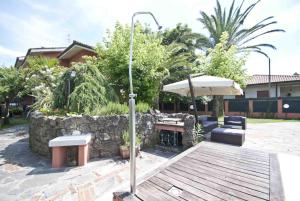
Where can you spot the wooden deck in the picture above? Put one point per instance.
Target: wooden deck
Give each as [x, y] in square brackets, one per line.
[214, 171]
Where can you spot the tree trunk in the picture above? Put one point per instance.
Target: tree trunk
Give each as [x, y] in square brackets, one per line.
[6, 111]
[218, 106]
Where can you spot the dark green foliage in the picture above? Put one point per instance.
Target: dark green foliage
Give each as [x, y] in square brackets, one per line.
[142, 107]
[149, 62]
[199, 132]
[111, 109]
[10, 85]
[89, 88]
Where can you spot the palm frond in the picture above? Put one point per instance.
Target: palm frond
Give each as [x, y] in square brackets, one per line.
[266, 32]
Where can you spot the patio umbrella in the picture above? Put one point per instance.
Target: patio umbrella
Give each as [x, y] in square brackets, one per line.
[204, 86]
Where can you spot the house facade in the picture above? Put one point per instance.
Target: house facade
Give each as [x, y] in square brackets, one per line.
[65, 55]
[281, 86]
[75, 52]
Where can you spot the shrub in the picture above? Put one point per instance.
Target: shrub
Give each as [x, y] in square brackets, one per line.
[126, 139]
[111, 109]
[199, 132]
[16, 111]
[142, 107]
[88, 88]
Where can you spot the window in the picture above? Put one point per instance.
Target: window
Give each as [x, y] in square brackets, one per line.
[263, 94]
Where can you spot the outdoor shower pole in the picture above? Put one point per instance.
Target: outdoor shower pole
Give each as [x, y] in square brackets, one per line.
[132, 107]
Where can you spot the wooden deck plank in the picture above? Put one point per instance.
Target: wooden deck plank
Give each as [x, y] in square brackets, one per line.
[235, 149]
[236, 184]
[188, 188]
[229, 166]
[204, 187]
[219, 184]
[148, 192]
[235, 179]
[263, 157]
[212, 167]
[235, 161]
[166, 186]
[216, 172]
[264, 163]
[226, 161]
[161, 183]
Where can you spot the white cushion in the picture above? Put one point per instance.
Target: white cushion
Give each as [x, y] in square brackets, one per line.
[72, 140]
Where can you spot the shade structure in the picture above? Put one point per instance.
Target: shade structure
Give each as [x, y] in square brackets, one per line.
[205, 86]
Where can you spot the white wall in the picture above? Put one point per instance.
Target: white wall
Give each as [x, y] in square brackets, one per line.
[251, 91]
[282, 90]
[294, 90]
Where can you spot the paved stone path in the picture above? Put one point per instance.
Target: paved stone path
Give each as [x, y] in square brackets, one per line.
[274, 137]
[27, 176]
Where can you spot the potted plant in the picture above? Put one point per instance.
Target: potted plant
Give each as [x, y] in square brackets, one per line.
[125, 147]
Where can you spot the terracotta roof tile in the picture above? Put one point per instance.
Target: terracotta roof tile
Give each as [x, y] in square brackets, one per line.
[263, 79]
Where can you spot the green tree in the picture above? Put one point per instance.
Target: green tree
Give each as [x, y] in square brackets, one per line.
[232, 22]
[10, 85]
[181, 43]
[149, 62]
[41, 77]
[88, 88]
[224, 62]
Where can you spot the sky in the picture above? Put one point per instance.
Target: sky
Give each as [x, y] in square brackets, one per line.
[26, 24]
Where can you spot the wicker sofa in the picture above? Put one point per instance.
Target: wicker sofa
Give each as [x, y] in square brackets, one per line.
[235, 121]
[208, 123]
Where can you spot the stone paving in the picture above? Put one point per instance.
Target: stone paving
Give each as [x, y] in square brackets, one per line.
[27, 176]
[274, 137]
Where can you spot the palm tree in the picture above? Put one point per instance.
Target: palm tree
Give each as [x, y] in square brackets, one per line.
[233, 23]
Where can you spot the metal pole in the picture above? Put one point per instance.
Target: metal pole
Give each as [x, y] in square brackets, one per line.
[269, 76]
[193, 97]
[132, 108]
[132, 117]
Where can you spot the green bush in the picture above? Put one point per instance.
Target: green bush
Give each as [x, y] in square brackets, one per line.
[16, 111]
[111, 109]
[126, 139]
[89, 88]
[142, 107]
[199, 132]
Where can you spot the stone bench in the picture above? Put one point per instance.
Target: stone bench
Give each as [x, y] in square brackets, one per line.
[228, 135]
[59, 149]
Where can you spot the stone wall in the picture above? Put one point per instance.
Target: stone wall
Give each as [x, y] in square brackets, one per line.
[106, 131]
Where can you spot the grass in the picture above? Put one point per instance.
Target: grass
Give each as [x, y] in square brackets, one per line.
[262, 121]
[15, 122]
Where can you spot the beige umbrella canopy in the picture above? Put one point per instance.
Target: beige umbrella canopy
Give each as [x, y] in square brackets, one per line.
[205, 86]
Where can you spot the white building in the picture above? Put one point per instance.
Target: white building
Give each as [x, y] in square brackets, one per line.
[281, 86]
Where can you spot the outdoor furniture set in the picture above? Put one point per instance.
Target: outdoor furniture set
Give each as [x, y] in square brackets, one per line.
[230, 133]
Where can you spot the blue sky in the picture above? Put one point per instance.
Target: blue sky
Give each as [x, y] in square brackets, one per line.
[33, 23]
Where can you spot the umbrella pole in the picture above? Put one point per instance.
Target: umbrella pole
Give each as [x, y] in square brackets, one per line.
[193, 98]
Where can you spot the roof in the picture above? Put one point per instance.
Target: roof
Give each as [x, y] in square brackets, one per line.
[20, 62]
[74, 48]
[264, 79]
